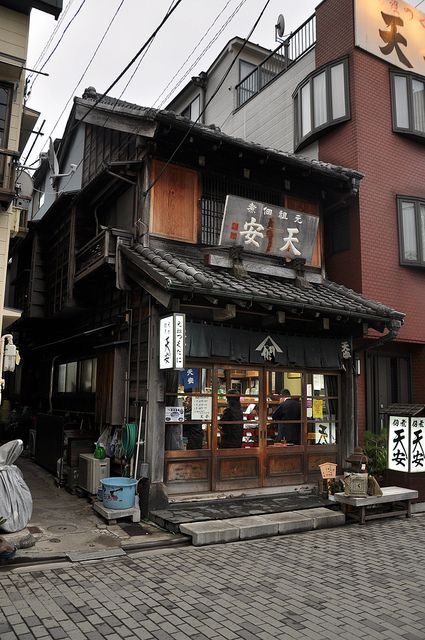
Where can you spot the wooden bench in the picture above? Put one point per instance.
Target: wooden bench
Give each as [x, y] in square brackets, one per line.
[363, 509]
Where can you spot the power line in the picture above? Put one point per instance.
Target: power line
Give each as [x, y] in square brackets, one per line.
[147, 43]
[138, 64]
[136, 130]
[191, 54]
[220, 84]
[83, 74]
[55, 30]
[56, 46]
[419, 3]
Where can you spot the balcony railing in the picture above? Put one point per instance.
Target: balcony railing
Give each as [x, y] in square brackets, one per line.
[295, 46]
[98, 251]
[7, 175]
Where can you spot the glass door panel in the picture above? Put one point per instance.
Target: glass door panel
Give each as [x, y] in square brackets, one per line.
[238, 408]
[284, 408]
[322, 409]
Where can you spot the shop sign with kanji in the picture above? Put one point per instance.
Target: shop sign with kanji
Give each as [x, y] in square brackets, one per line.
[172, 341]
[268, 229]
[392, 30]
[406, 438]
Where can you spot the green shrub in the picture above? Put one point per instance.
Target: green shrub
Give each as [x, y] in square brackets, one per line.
[376, 449]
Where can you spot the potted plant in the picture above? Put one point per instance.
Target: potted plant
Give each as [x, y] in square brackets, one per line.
[376, 449]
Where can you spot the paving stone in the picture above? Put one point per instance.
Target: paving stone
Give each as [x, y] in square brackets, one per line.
[210, 532]
[253, 527]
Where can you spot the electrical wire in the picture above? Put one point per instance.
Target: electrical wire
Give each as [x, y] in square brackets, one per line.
[419, 3]
[84, 72]
[54, 32]
[145, 46]
[56, 46]
[220, 84]
[191, 54]
[136, 130]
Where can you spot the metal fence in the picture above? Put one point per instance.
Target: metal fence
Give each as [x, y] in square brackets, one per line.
[295, 46]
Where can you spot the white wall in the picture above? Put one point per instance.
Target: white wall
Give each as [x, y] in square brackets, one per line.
[268, 118]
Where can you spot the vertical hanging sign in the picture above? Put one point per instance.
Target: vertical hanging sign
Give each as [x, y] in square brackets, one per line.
[172, 341]
[406, 444]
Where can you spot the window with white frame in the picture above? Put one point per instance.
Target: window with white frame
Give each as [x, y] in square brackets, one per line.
[193, 110]
[408, 101]
[321, 101]
[411, 220]
[74, 377]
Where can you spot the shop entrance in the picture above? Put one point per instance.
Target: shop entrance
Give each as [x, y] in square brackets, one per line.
[225, 431]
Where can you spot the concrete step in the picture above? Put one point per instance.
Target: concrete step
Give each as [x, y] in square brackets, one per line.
[271, 524]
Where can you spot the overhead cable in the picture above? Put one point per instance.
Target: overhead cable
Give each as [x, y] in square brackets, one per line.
[105, 33]
[220, 84]
[145, 46]
[193, 51]
[57, 45]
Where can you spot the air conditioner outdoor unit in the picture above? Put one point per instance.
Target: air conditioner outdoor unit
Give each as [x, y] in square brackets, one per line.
[92, 471]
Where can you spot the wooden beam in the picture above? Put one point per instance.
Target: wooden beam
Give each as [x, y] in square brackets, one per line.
[228, 313]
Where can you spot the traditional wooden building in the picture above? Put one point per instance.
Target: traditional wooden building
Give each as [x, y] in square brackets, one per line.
[177, 263]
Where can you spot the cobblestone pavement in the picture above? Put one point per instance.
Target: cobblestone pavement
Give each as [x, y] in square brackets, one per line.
[352, 582]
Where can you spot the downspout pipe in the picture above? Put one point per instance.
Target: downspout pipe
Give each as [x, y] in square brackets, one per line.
[393, 329]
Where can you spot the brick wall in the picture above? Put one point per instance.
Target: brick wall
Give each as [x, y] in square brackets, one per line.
[393, 164]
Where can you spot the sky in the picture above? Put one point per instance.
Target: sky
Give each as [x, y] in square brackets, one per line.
[170, 56]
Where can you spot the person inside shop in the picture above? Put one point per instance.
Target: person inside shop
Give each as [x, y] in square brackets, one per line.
[288, 409]
[232, 432]
[192, 430]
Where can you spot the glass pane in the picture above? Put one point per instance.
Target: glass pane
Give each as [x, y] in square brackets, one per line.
[305, 110]
[422, 217]
[319, 95]
[401, 102]
[61, 378]
[418, 93]
[195, 109]
[409, 231]
[238, 392]
[86, 376]
[188, 411]
[284, 413]
[338, 92]
[71, 377]
[322, 409]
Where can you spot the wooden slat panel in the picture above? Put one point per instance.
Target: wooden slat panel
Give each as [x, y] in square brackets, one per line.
[234, 468]
[284, 464]
[314, 460]
[190, 470]
[104, 382]
[174, 203]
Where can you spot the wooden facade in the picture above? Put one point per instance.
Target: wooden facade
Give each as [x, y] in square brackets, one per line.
[105, 264]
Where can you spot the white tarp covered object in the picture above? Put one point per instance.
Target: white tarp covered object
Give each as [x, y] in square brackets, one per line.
[15, 497]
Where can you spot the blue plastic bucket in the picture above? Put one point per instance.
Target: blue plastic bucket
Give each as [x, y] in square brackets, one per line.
[118, 493]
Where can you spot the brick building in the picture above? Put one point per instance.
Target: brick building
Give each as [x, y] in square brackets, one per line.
[347, 87]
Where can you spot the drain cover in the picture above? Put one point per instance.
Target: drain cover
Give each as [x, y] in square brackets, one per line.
[62, 528]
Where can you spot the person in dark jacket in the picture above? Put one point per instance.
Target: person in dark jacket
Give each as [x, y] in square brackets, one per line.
[289, 409]
[231, 433]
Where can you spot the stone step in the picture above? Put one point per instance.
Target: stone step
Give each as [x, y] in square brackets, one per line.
[271, 524]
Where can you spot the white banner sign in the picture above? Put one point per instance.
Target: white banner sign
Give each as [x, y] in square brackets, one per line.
[392, 30]
[406, 450]
[172, 341]
[417, 440]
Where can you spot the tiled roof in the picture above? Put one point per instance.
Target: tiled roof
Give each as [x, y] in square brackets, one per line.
[174, 270]
[148, 113]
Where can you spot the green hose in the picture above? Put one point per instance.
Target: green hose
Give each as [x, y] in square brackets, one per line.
[128, 440]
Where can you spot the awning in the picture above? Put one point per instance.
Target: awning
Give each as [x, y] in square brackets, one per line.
[259, 347]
